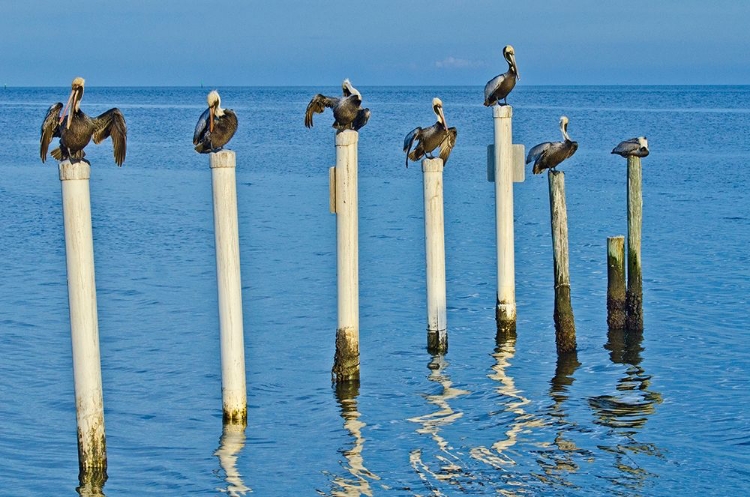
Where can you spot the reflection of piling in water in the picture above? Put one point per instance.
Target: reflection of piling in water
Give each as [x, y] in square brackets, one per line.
[506, 389]
[561, 460]
[616, 313]
[229, 282]
[627, 412]
[449, 468]
[84, 324]
[635, 220]
[434, 233]
[346, 395]
[631, 407]
[565, 327]
[231, 443]
[344, 191]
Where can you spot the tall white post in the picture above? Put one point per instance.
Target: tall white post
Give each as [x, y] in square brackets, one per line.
[84, 325]
[233, 386]
[434, 234]
[506, 279]
[346, 359]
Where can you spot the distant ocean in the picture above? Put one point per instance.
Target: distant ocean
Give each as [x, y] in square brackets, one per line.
[664, 413]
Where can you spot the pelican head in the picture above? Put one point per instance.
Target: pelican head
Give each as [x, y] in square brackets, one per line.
[437, 107]
[214, 108]
[74, 100]
[510, 56]
[643, 142]
[347, 87]
[564, 127]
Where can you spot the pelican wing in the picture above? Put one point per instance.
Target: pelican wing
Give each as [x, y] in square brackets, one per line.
[409, 140]
[362, 117]
[447, 144]
[201, 127]
[491, 87]
[537, 152]
[630, 147]
[50, 129]
[317, 105]
[112, 123]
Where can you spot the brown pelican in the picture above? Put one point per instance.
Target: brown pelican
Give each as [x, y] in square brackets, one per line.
[548, 155]
[637, 147]
[347, 110]
[80, 128]
[215, 127]
[428, 139]
[499, 87]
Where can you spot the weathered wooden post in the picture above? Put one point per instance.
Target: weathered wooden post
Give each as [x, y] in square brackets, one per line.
[84, 325]
[616, 282]
[434, 234]
[565, 328]
[346, 358]
[505, 312]
[635, 219]
[233, 383]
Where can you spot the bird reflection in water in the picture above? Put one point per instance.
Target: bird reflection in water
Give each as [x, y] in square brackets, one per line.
[232, 441]
[559, 457]
[448, 468]
[499, 456]
[626, 412]
[91, 483]
[359, 482]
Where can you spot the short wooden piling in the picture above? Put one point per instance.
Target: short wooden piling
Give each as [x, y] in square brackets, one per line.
[635, 218]
[565, 329]
[434, 232]
[84, 325]
[233, 383]
[346, 358]
[505, 312]
[616, 313]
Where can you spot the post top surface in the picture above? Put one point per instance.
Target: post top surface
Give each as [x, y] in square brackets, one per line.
[222, 158]
[346, 137]
[74, 170]
[432, 165]
[499, 111]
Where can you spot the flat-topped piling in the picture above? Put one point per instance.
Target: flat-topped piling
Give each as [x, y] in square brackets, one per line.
[229, 282]
[565, 328]
[635, 219]
[616, 312]
[84, 324]
[346, 358]
[434, 232]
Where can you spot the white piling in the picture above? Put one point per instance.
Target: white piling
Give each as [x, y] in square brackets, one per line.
[434, 232]
[233, 384]
[506, 283]
[346, 358]
[84, 326]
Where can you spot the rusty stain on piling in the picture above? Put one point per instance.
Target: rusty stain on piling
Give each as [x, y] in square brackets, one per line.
[92, 456]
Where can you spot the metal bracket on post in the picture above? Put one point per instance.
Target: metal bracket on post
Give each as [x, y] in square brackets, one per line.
[519, 160]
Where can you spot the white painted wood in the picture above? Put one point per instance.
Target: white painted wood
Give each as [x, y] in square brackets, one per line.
[519, 163]
[229, 282]
[434, 229]
[84, 325]
[506, 284]
[332, 190]
[346, 362]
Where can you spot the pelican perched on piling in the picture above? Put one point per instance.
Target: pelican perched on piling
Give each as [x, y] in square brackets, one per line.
[79, 128]
[548, 155]
[637, 147]
[499, 87]
[215, 127]
[347, 110]
[428, 139]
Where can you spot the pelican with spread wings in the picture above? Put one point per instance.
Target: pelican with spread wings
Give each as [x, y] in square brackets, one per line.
[347, 109]
[428, 139]
[78, 129]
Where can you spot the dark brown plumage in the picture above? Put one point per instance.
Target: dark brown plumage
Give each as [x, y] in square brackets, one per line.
[428, 139]
[78, 129]
[215, 127]
[347, 110]
[548, 155]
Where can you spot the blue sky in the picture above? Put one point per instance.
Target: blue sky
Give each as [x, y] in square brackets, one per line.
[385, 42]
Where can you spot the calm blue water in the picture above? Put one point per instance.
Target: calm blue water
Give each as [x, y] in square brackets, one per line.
[661, 414]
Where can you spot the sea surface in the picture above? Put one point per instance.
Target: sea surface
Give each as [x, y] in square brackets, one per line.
[662, 413]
